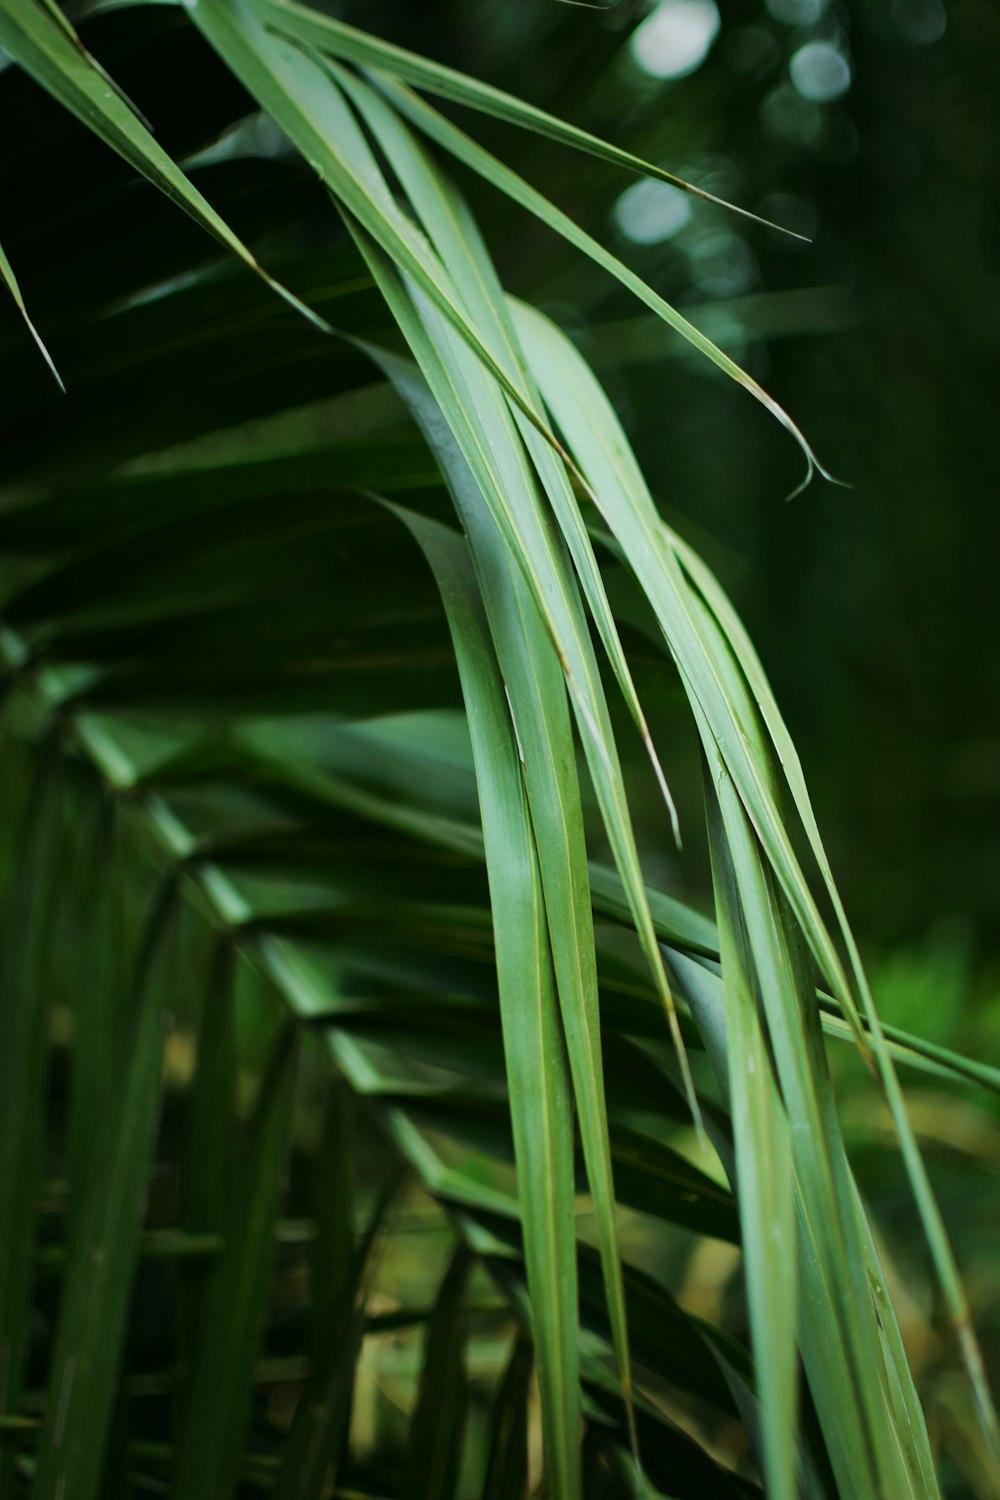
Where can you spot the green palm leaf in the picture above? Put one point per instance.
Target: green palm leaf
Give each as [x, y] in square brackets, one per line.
[422, 886]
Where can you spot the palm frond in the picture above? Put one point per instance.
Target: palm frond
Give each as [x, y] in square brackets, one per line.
[331, 801]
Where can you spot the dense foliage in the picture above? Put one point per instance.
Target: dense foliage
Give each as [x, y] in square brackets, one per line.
[380, 1113]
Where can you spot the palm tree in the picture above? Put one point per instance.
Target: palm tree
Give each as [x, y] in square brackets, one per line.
[326, 590]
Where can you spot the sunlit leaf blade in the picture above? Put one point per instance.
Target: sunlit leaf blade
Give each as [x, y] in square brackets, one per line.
[869, 1029]
[833, 1256]
[585, 415]
[533, 688]
[287, 87]
[95, 1301]
[824, 1352]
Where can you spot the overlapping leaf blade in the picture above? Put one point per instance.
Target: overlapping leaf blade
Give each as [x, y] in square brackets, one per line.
[379, 975]
[536, 1068]
[764, 1178]
[339, 40]
[43, 43]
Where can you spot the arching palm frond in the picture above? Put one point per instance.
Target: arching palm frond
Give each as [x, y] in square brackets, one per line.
[323, 618]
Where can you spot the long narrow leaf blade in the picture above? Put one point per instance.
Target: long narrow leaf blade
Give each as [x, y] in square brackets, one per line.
[454, 140]
[10, 282]
[49, 50]
[536, 1069]
[764, 1177]
[348, 43]
[93, 1318]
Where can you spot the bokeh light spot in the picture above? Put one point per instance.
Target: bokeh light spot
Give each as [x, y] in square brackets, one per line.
[820, 72]
[649, 212]
[675, 38]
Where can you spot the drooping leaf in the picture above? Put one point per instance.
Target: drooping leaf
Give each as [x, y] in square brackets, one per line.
[764, 1177]
[338, 39]
[10, 281]
[536, 1068]
[432, 123]
[41, 40]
